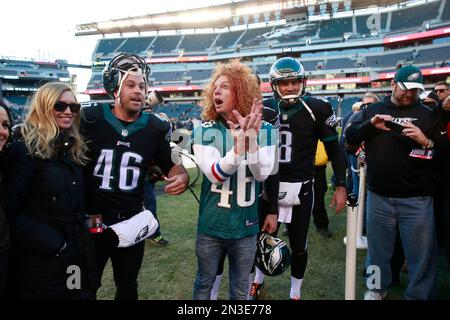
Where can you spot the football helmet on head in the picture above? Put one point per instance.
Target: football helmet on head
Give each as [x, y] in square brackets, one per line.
[119, 67]
[272, 255]
[285, 69]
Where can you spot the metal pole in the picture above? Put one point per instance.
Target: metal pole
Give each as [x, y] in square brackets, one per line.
[350, 253]
[361, 242]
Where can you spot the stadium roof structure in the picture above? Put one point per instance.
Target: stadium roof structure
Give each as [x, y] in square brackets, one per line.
[220, 16]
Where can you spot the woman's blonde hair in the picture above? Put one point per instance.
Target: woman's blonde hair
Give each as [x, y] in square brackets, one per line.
[40, 129]
[244, 88]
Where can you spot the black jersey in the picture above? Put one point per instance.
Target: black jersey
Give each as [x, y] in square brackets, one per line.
[120, 155]
[272, 183]
[272, 116]
[300, 130]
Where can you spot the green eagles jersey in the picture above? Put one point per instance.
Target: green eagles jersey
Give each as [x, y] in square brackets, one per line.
[228, 207]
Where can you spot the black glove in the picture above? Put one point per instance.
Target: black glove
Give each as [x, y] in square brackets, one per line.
[110, 236]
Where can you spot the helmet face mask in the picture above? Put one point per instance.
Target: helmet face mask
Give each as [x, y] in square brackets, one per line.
[272, 255]
[287, 69]
[122, 65]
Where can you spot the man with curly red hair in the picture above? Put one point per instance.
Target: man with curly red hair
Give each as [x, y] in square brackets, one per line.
[234, 148]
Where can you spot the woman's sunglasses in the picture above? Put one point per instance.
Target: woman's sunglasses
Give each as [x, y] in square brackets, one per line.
[61, 106]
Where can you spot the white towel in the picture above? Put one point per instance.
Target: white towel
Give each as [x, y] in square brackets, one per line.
[287, 198]
[135, 229]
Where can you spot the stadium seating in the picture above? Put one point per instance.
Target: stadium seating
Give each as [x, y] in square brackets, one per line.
[165, 44]
[136, 45]
[198, 42]
[252, 37]
[388, 59]
[361, 24]
[335, 27]
[325, 31]
[227, 39]
[435, 54]
[446, 12]
[413, 17]
[341, 63]
[108, 46]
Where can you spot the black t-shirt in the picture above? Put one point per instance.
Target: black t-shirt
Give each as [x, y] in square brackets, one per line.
[120, 156]
[391, 171]
[299, 134]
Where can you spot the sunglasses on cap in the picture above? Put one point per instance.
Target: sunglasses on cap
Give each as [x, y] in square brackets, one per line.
[61, 106]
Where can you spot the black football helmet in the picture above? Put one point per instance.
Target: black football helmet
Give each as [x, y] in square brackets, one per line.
[272, 255]
[121, 65]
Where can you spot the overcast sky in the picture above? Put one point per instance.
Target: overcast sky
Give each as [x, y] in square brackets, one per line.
[45, 29]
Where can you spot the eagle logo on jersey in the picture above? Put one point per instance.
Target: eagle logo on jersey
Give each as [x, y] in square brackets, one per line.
[282, 195]
[121, 143]
[124, 132]
[208, 124]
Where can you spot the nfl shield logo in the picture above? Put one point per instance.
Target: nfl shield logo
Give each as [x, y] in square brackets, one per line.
[124, 132]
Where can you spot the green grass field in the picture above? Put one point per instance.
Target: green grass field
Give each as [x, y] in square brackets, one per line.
[168, 272]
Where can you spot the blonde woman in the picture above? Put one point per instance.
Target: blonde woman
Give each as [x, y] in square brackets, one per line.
[50, 251]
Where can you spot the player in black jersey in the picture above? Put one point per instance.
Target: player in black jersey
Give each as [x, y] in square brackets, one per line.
[303, 121]
[123, 141]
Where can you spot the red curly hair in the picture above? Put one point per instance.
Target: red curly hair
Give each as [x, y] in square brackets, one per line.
[244, 87]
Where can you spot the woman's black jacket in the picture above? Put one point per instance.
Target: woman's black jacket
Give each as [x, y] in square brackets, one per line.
[49, 239]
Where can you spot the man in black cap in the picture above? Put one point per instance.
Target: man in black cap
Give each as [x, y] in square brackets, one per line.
[398, 134]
